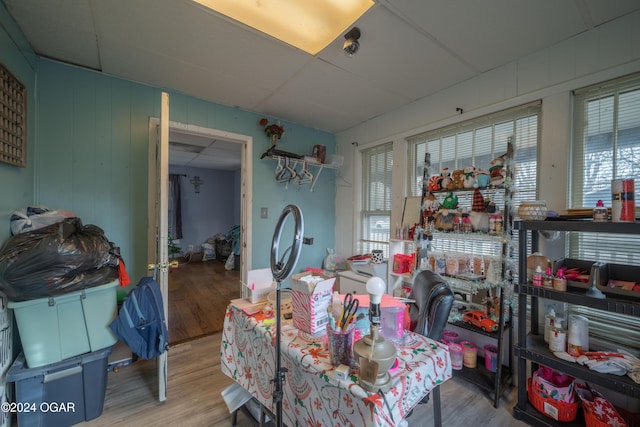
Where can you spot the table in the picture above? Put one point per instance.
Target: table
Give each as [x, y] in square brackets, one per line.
[312, 396]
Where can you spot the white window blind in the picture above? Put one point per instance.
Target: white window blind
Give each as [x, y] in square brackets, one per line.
[606, 146]
[375, 221]
[476, 142]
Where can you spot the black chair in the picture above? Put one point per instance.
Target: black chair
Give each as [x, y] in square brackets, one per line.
[429, 315]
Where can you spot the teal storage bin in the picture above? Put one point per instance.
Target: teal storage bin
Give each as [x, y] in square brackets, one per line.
[57, 328]
[60, 394]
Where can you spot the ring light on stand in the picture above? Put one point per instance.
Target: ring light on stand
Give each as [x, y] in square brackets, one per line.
[281, 271]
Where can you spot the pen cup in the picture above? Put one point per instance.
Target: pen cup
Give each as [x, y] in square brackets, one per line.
[340, 346]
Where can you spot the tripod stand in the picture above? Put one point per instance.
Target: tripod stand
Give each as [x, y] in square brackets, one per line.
[281, 271]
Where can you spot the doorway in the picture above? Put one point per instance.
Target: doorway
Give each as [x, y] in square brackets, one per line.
[199, 289]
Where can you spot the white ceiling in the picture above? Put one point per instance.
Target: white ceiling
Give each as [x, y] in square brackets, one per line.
[409, 49]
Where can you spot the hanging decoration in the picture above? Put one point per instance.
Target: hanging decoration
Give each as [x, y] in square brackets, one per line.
[273, 131]
[197, 182]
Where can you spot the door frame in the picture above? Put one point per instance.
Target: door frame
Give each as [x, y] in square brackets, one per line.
[246, 186]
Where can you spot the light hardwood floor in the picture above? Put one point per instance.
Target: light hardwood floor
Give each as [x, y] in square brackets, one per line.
[195, 383]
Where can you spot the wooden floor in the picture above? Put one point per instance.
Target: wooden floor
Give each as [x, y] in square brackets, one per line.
[199, 293]
[195, 384]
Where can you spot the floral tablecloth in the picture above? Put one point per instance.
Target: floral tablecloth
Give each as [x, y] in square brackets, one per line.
[312, 396]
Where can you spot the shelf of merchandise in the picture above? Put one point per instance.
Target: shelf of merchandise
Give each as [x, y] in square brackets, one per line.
[494, 383]
[396, 280]
[531, 346]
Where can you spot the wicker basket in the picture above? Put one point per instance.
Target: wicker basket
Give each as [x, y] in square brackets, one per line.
[557, 410]
[535, 210]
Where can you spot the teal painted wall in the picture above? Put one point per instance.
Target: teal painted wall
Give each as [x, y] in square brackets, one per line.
[92, 149]
[17, 184]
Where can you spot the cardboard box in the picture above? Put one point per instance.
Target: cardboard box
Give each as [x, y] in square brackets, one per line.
[259, 285]
[311, 298]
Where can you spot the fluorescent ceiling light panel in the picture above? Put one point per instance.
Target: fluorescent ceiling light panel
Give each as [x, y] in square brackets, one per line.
[309, 25]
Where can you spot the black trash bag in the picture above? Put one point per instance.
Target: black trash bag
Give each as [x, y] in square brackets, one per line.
[57, 259]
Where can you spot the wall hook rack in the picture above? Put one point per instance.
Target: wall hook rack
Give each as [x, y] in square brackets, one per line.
[296, 170]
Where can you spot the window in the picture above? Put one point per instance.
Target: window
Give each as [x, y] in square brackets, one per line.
[375, 221]
[478, 141]
[606, 146]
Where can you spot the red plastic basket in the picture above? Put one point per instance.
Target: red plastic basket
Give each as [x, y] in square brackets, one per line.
[598, 411]
[557, 410]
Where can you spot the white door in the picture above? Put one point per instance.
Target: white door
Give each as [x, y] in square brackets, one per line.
[158, 232]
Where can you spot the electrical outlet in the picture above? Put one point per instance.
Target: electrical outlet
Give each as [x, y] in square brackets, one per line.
[190, 248]
[264, 212]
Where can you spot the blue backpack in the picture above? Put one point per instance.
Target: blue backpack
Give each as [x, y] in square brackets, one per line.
[140, 323]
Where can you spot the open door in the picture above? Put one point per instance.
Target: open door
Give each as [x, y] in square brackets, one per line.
[157, 203]
[158, 232]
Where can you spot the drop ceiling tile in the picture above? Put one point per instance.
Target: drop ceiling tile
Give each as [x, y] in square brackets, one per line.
[324, 85]
[396, 57]
[127, 61]
[61, 30]
[605, 11]
[488, 34]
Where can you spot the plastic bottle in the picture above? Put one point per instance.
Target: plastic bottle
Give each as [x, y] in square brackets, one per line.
[499, 224]
[547, 279]
[600, 212]
[549, 322]
[537, 277]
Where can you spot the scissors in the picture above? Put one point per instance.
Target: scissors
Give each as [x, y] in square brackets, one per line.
[350, 306]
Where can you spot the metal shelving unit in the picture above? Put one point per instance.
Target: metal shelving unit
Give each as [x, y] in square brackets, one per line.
[531, 346]
[492, 382]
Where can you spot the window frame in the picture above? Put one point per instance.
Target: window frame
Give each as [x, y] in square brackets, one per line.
[370, 214]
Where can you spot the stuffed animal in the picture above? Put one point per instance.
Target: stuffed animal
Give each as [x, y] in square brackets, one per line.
[444, 220]
[457, 176]
[450, 202]
[470, 180]
[431, 205]
[446, 179]
[496, 171]
[483, 178]
[445, 216]
[434, 182]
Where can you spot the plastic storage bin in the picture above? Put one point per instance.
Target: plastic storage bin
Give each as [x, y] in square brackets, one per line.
[57, 328]
[63, 393]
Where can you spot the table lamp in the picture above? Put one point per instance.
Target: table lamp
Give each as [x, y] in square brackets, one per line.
[374, 350]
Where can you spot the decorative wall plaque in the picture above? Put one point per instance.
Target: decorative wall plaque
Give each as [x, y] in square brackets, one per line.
[13, 119]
